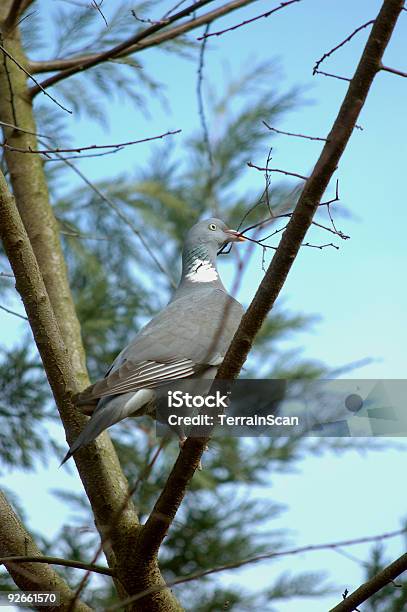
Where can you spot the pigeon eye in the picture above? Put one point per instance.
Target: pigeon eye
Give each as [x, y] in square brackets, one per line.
[212, 227]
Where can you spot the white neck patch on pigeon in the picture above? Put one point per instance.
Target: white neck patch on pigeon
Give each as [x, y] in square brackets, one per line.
[202, 271]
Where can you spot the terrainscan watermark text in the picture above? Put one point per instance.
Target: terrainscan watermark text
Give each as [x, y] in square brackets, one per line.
[254, 420]
[278, 407]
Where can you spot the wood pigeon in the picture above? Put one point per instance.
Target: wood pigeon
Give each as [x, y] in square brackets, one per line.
[189, 338]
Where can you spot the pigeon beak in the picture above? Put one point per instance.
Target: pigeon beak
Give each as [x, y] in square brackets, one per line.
[234, 236]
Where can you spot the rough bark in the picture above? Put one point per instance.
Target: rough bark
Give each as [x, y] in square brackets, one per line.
[101, 470]
[15, 540]
[106, 490]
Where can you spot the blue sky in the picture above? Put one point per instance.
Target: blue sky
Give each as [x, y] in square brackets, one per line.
[359, 291]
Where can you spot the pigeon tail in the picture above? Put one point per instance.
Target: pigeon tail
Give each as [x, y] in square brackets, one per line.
[109, 411]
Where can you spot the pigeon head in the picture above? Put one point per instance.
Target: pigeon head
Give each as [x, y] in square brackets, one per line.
[212, 232]
[201, 247]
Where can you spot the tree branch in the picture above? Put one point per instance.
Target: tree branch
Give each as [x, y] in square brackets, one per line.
[28, 576]
[393, 71]
[163, 513]
[12, 312]
[372, 586]
[33, 244]
[119, 145]
[341, 44]
[29, 283]
[300, 176]
[263, 557]
[115, 51]
[272, 129]
[150, 41]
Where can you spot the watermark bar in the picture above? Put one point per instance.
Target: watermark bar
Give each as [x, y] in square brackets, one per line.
[276, 407]
[29, 599]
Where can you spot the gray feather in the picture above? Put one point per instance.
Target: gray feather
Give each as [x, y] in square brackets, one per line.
[189, 338]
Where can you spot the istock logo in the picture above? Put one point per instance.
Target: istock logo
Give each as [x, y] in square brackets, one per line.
[176, 399]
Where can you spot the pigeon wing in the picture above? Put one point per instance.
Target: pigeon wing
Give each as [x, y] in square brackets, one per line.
[191, 334]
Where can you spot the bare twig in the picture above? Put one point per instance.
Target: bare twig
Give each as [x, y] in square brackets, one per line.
[268, 181]
[55, 159]
[20, 129]
[146, 20]
[201, 106]
[263, 557]
[90, 147]
[12, 312]
[40, 87]
[174, 8]
[247, 21]
[10, 85]
[320, 246]
[300, 176]
[346, 40]
[97, 6]
[393, 71]
[333, 76]
[292, 134]
[7, 275]
[97, 569]
[333, 231]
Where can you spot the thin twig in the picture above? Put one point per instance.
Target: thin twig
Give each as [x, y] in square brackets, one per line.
[333, 76]
[328, 229]
[320, 246]
[393, 71]
[98, 569]
[90, 147]
[243, 23]
[146, 20]
[319, 62]
[257, 558]
[55, 159]
[300, 176]
[97, 6]
[10, 85]
[20, 129]
[7, 275]
[174, 8]
[292, 134]
[268, 181]
[201, 106]
[41, 88]
[12, 312]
